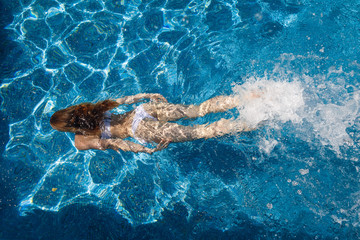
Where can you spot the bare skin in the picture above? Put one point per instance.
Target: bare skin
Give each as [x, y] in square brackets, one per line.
[162, 131]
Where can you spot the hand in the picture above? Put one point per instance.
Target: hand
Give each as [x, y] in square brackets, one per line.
[162, 145]
[157, 97]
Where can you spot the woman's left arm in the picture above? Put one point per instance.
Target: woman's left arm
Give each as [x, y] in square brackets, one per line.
[138, 97]
[83, 142]
[129, 146]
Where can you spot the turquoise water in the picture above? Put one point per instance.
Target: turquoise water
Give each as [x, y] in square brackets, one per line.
[296, 176]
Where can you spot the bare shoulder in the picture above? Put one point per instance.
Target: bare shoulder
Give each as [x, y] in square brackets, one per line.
[84, 142]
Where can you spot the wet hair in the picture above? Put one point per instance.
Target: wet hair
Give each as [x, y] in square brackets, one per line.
[84, 118]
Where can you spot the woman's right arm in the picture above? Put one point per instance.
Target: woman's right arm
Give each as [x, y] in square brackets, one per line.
[138, 97]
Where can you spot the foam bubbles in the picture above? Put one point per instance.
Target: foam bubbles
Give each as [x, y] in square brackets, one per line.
[277, 101]
[330, 122]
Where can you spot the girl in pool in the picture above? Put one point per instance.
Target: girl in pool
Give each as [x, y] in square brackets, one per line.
[96, 128]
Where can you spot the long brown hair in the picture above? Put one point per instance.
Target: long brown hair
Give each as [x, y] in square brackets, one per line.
[84, 118]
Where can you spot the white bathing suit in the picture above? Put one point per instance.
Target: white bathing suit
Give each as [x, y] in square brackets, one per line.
[105, 126]
[140, 114]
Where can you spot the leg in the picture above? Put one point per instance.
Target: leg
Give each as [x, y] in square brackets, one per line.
[158, 130]
[218, 104]
[173, 112]
[221, 128]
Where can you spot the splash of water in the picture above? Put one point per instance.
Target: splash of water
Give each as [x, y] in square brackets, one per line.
[330, 121]
[273, 101]
[278, 102]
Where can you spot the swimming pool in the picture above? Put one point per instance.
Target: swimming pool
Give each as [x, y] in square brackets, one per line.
[294, 177]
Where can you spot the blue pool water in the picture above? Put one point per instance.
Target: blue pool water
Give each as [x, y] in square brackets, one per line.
[295, 177]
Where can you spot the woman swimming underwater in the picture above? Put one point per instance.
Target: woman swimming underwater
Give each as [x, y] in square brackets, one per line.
[96, 128]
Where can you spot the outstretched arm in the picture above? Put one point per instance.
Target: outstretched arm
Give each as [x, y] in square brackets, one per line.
[139, 97]
[93, 142]
[129, 146]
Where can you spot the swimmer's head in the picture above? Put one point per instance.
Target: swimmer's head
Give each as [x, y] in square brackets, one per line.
[84, 118]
